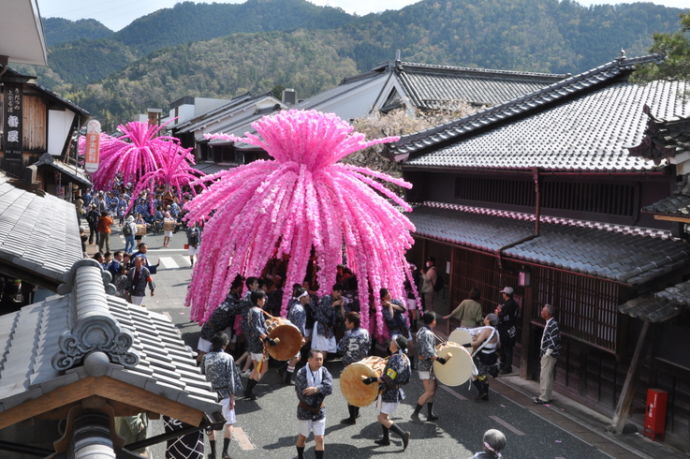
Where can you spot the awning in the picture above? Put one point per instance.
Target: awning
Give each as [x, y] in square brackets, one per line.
[76, 173]
[660, 306]
[600, 250]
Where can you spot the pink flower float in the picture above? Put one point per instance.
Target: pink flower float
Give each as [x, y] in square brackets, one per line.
[302, 202]
[173, 173]
[137, 152]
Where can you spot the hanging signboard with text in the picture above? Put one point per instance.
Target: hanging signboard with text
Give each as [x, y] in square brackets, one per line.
[92, 147]
[13, 122]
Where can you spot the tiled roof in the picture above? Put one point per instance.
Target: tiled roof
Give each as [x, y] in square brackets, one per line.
[432, 86]
[77, 173]
[524, 216]
[585, 122]
[88, 332]
[38, 233]
[663, 139]
[236, 104]
[626, 258]
[209, 167]
[676, 205]
[660, 306]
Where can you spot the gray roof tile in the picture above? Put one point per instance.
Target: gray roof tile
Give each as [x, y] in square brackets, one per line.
[32, 335]
[659, 306]
[38, 232]
[610, 253]
[589, 128]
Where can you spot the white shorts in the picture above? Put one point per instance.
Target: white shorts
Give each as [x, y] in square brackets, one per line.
[425, 375]
[203, 345]
[411, 303]
[228, 413]
[191, 251]
[168, 233]
[137, 299]
[317, 427]
[256, 357]
[388, 408]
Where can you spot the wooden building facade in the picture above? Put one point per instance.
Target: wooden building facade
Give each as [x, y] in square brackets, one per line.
[34, 122]
[542, 194]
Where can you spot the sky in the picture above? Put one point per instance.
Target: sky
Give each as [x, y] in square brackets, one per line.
[116, 14]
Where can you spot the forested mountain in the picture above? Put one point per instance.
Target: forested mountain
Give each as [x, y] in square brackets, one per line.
[58, 30]
[297, 44]
[188, 22]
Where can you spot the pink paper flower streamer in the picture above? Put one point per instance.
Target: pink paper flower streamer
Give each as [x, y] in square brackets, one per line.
[303, 200]
[136, 153]
[174, 173]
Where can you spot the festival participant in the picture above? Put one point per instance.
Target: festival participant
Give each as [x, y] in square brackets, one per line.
[394, 314]
[354, 346]
[425, 342]
[221, 371]
[129, 229]
[256, 338]
[298, 316]
[484, 346]
[395, 374]
[469, 311]
[323, 338]
[240, 326]
[221, 319]
[139, 276]
[313, 383]
[168, 227]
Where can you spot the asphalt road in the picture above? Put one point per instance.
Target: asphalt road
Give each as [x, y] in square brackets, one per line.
[266, 427]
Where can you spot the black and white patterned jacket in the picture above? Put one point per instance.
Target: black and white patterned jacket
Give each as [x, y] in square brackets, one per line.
[425, 344]
[297, 315]
[551, 338]
[396, 374]
[222, 373]
[316, 400]
[354, 346]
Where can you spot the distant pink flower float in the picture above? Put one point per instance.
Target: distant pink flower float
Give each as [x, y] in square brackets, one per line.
[174, 173]
[139, 151]
[302, 201]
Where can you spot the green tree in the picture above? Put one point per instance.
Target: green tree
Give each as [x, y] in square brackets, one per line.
[676, 48]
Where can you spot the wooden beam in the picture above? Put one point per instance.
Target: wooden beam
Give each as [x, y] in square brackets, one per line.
[669, 218]
[628, 391]
[106, 387]
[52, 400]
[113, 389]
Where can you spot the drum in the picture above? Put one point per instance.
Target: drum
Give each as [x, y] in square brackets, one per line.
[461, 336]
[169, 225]
[354, 390]
[459, 366]
[288, 336]
[141, 230]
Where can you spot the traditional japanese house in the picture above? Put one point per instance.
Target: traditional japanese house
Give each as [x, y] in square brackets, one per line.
[541, 193]
[390, 86]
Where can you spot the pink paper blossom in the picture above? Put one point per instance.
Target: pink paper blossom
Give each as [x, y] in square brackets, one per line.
[137, 152]
[302, 201]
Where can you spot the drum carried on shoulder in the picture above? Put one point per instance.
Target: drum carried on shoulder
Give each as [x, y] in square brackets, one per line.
[354, 390]
[288, 338]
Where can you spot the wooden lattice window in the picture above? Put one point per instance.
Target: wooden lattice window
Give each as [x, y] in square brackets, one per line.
[586, 308]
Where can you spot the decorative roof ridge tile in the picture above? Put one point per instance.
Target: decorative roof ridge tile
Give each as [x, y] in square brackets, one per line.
[519, 106]
[479, 71]
[561, 221]
[92, 327]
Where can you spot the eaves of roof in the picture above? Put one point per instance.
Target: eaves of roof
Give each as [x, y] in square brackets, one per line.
[628, 258]
[83, 112]
[215, 114]
[412, 145]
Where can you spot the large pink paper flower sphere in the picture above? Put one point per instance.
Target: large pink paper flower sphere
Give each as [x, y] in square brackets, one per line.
[302, 202]
[137, 152]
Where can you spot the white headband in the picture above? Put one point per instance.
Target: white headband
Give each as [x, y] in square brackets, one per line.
[488, 446]
[304, 293]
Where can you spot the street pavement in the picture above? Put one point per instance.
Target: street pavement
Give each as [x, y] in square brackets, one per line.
[266, 427]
